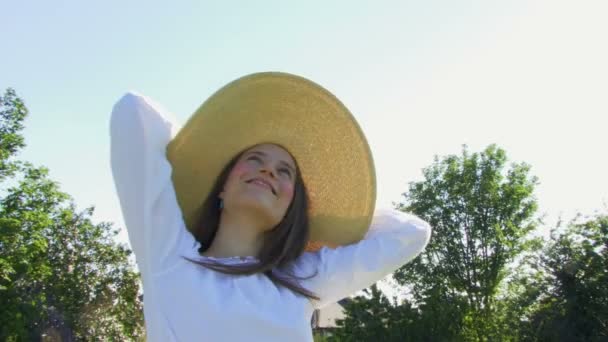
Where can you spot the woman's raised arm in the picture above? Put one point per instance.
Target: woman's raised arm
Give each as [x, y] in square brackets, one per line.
[139, 133]
[394, 239]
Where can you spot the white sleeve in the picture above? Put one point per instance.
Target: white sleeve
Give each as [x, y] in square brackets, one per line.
[139, 133]
[394, 238]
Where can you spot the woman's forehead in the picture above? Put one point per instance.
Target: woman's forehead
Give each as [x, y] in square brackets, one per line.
[272, 150]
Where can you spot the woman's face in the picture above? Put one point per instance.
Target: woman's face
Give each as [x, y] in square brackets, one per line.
[263, 180]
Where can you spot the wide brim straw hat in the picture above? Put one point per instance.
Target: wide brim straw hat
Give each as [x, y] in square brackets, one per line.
[321, 134]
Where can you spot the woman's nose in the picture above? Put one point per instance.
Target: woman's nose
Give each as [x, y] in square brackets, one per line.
[267, 169]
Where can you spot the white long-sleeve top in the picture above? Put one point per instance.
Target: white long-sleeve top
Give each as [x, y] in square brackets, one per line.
[188, 302]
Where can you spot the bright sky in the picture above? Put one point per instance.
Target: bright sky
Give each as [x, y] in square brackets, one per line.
[421, 77]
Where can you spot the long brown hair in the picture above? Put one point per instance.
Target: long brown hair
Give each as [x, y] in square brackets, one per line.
[281, 245]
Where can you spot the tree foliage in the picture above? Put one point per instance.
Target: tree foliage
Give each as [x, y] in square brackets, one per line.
[482, 278]
[482, 212]
[573, 271]
[12, 114]
[61, 275]
[373, 316]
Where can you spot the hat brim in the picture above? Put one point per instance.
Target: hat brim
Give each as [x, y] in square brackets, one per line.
[313, 125]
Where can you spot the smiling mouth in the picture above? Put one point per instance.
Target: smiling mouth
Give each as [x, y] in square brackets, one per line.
[262, 183]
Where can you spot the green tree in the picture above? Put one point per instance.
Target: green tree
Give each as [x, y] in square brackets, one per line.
[12, 114]
[61, 275]
[573, 269]
[482, 212]
[374, 317]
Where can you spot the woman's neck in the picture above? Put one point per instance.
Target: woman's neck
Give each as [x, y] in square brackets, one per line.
[236, 237]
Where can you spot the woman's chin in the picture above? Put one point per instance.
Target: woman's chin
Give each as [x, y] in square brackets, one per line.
[253, 197]
[259, 205]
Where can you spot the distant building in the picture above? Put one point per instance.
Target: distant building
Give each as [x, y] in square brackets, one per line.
[324, 320]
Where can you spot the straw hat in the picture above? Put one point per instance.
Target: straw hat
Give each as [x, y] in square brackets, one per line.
[309, 122]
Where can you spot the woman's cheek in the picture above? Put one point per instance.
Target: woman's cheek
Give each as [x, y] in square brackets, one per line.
[239, 170]
[288, 190]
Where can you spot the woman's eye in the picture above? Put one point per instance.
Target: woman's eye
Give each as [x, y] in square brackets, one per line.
[256, 158]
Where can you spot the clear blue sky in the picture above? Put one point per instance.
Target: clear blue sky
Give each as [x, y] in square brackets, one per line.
[422, 77]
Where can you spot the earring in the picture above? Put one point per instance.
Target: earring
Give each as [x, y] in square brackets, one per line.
[221, 205]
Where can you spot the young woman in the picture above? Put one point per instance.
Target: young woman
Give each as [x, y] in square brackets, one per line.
[258, 211]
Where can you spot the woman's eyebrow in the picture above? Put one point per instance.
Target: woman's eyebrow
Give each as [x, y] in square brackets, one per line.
[263, 154]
